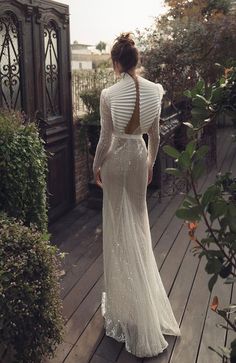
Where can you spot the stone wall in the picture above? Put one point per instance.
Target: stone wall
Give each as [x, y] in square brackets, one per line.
[82, 172]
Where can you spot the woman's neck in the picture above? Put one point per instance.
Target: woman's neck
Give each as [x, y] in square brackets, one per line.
[132, 73]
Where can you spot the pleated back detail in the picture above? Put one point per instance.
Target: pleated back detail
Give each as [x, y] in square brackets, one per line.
[134, 106]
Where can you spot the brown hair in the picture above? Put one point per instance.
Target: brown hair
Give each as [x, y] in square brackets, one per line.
[125, 52]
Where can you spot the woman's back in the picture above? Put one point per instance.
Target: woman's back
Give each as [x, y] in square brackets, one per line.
[130, 107]
[128, 93]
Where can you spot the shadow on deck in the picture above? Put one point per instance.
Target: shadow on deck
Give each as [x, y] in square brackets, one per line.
[79, 234]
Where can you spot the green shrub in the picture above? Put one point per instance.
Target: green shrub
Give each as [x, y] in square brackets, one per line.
[23, 170]
[31, 321]
[91, 99]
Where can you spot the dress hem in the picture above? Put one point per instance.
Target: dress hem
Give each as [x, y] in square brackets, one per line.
[122, 339]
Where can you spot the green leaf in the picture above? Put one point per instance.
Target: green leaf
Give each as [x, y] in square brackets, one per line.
[192, 200]
[198, 170]
[184, 160]
[174, 171]
[188, 214]
[222, 313]
[171, 151]
[225, 271]
[213, 266]
[232, 209]
[232, 224]
[200, 102]
[218, 208]
[199, 113]
[210, 195]
[188, 93]
[191, 147]
[201, 152]
[212, 282]
[217, 94]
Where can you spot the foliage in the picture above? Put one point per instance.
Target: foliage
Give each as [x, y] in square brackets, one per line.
[216, 206]
[210, 101]
[185, 43]
[101, 46]
[198, 8]
[91, 99]
[23, 169]
[30, 307]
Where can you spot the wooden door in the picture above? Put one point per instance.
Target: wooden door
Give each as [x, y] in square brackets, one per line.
[43, 92]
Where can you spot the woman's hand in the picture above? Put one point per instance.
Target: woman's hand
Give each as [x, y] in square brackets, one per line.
[97, 178]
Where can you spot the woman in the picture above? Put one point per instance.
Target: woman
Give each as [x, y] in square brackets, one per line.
[135, 306]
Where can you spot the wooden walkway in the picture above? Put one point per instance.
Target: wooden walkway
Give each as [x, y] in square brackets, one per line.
[79, 234]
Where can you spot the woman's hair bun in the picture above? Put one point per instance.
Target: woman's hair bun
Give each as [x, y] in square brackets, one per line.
[125, 38]
[125, 52]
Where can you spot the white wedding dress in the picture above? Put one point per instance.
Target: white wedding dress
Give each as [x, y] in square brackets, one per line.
[134, 303]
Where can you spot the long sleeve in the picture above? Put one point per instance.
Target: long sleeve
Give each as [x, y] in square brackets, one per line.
[105, 133]
[154, 133]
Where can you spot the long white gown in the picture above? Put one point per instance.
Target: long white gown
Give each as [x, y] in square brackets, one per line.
[134, 303]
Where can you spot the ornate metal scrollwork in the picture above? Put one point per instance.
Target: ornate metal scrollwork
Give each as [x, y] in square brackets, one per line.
[51, 69]
[10, 81]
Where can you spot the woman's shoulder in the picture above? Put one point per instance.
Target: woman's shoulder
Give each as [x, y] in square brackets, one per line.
[149, 83]
[152, 86]
[113, 90]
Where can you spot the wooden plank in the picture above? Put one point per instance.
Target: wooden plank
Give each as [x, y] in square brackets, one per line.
[170, 268]
[126, 357]
[151, 199]
[109, 348]
[178, 296]
[98, 359]
[86, 345]
[60, 353]
[80, 320]
[185, 349]
[82, 288]
[80, 267]
[167, 240]
[78, 238]
[211, 335]
[160, 207]
[230, 335]
[163, 221]
[73, 221]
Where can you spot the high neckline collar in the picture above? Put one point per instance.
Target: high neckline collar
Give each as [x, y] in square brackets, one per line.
[128, 76]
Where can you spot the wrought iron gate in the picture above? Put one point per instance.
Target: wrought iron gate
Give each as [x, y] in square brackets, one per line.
[35, 78]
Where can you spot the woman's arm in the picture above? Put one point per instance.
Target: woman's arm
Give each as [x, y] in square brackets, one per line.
[105, 134]
[153, 141]
[154, 133]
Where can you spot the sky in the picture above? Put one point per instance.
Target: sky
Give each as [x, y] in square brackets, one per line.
[95, 20]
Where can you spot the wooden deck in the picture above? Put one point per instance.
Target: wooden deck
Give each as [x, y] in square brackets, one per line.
[79, 234]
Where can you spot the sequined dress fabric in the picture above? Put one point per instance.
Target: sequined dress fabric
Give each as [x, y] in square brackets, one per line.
[134, 303]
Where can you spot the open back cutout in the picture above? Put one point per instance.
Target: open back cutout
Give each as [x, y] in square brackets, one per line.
[134, 123]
